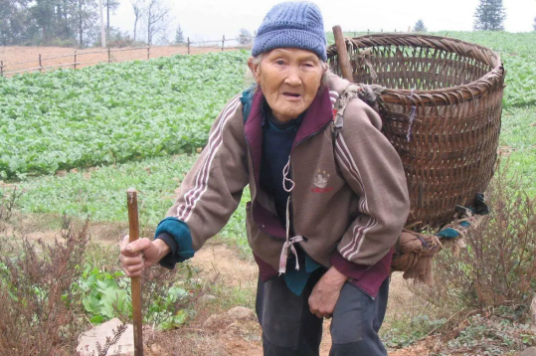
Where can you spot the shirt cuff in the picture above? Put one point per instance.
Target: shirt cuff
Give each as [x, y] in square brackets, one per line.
[176, 234]
[168, 261]
[353, 271]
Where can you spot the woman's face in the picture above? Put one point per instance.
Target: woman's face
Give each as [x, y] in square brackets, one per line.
[289, 79]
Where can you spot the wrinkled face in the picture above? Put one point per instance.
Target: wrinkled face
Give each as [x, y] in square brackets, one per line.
[289, 79]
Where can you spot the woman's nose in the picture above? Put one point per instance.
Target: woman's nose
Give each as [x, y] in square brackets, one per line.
[293, 77]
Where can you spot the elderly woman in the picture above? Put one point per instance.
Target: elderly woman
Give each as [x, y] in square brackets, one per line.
[328, 201]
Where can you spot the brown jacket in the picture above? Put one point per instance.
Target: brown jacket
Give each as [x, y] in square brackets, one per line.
[350, 195]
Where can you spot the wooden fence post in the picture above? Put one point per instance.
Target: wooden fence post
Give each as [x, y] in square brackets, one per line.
[223, 43]
[75, 60]
[109, 56]
[40, 64]
[1, 68]
[188, 45]
[148, 52]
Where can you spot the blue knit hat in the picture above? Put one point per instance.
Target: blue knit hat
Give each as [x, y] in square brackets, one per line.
[292, 24]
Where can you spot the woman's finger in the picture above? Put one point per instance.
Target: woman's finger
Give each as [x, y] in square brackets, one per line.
[136, 247]
[133, 271]
[135, 268]
[131, 261]
[315, 312]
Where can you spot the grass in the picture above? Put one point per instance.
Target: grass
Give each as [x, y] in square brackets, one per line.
[99, 193]
[113, 113]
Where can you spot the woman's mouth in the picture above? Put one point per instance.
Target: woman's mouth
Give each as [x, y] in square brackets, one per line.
[292, 96]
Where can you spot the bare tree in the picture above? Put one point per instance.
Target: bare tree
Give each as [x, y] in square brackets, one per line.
[138, 6]
[156, 18]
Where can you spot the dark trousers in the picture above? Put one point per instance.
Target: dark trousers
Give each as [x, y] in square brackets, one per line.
[290, 329]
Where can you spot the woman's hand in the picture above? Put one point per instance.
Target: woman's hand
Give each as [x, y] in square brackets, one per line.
[326, 293]
[140, 254]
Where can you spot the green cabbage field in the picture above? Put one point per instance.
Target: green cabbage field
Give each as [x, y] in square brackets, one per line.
[112, 113]
[146, 112]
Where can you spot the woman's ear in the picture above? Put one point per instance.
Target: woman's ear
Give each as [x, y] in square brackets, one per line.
[255, 68]
[325, 68]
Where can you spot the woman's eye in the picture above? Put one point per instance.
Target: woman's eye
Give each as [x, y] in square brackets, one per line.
[280, 62]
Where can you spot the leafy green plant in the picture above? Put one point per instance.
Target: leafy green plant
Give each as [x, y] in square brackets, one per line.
[105, 295]
[404, 332]
[113, 113]
[166, 295]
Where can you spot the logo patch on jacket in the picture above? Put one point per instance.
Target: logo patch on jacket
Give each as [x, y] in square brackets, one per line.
[320, 182]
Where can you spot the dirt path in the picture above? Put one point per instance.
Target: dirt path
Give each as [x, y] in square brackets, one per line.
[244, 339]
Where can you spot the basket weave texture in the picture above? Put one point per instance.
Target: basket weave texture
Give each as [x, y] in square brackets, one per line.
[443, 114]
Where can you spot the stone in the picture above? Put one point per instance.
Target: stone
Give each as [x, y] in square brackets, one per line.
[531, 351]
[241, 313]
[87, 342]
[206, 299]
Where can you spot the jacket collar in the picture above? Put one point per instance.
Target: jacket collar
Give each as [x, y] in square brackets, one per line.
[318, 115]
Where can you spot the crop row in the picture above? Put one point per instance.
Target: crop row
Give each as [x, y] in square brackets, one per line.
[130, 111]
[113, 113]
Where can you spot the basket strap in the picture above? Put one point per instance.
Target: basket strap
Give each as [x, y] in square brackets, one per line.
[370, 94]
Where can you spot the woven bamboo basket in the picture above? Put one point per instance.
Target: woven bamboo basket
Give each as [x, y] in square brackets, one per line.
[443, 102]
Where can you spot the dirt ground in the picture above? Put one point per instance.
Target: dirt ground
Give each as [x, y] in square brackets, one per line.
[244, 339]
[18, 59]
[234, 338]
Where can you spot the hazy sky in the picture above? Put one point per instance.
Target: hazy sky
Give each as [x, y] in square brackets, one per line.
[209, 19]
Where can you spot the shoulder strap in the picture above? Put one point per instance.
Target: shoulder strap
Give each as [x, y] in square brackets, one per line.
[247, 100]
[370, 94]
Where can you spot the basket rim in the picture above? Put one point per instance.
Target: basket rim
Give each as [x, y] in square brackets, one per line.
[444, 96]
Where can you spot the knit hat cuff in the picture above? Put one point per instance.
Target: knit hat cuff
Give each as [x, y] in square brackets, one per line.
[286, 38]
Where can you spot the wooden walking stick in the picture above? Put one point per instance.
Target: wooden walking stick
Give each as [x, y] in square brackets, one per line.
[342, 54]
[132, 203]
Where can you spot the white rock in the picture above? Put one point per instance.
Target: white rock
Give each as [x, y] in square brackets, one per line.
[531, 351]
[87, 345]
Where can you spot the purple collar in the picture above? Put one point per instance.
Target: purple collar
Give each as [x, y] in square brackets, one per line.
[319, 114]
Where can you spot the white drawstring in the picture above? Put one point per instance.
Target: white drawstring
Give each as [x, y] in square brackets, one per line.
[286, 171]
[289, 242]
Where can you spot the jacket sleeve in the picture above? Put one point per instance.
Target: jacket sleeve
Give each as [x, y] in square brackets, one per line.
[211, 191]
[373, 169]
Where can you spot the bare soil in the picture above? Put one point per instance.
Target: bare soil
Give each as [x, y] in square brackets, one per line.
[18, 59]
[244, 339]
[217, 261]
